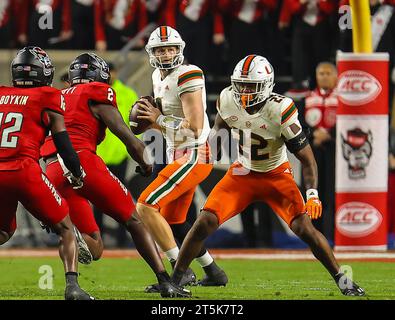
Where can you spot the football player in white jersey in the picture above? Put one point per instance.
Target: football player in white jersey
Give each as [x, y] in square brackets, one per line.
[266, 124]
[185, 126]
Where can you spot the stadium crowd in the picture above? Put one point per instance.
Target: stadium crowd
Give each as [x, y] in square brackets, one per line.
[303, 32]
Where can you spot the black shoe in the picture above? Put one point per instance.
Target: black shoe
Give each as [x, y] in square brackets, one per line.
[74, 292]
[171, 290]
[153, 288]
[218, 279]
[348, 287]
[188, 279]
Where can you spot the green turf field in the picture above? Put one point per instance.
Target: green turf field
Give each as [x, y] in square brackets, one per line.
[114, 278]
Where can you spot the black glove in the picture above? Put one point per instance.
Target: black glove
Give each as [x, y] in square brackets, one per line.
[144, 172]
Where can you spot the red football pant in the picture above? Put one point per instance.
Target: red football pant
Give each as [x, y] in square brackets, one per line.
[101, 188]
[33, 189]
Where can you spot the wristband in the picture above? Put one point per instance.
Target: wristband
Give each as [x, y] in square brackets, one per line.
[311, 193]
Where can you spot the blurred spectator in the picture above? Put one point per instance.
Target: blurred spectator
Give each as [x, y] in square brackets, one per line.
[64, 79]
[117, 22]
[383, 35]
[320, 114]
[9, 23]
[83, 24]
[157, 13]
[199, 24]
[247, 33]
[311, 39]
[112, 150]
[46, 24]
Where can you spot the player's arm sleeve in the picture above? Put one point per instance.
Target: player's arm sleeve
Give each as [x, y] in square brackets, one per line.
[291, 129]
[191, 80]
[63, 144]
[66, 151]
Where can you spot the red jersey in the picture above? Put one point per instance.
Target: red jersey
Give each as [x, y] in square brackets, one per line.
[85, 130]
[23, 122]
[320, 110]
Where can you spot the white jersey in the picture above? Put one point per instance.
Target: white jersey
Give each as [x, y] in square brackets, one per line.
[185, 78]
[260, 135]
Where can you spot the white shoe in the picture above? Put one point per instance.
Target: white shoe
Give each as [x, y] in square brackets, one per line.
[84, 255]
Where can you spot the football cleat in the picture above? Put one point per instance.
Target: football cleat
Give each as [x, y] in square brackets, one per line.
[348, 287]
[355, 291]
[170, 290]
[218, 279]
[188, 279]
[84, 254]
[74, 292]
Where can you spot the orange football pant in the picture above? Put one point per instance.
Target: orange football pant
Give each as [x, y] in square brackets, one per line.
[172, 191]
[234, 192]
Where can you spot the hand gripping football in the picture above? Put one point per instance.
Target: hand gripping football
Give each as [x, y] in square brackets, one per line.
[138, 126]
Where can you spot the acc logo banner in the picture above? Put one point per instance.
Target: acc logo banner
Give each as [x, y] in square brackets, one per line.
[357, 219]
[358, 87]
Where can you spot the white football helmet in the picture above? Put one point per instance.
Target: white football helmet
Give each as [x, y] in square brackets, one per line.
[252, 81]
[161, 37]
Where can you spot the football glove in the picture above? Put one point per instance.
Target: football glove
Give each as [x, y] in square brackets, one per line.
[313, 205]
[76, 182]
[144, 172]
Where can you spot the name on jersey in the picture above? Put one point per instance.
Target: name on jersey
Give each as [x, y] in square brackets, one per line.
[11, 99]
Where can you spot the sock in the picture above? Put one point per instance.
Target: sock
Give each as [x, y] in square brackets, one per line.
[172, 254]
[162, 277]
[205, 259]
[71, 277]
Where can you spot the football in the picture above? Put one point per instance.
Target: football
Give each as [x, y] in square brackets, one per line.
[139, 126]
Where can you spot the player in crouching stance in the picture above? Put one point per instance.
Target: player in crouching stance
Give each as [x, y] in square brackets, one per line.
[266, 124]
[185, 126]
[27, 111]
[91, 108]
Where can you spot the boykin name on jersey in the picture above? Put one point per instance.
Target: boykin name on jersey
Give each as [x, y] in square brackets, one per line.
[20, 100]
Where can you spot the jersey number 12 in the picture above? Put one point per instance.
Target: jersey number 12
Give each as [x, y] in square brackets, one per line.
[15, 119]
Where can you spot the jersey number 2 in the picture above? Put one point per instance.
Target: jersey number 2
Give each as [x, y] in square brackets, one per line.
[110, 95]
[256, 148]
[14, 118]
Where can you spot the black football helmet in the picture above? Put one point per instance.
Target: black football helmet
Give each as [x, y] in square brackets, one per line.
[88, 67]
[32, 67]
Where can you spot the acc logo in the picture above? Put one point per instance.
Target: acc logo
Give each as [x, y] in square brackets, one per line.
[357, 219]
[358, 87]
